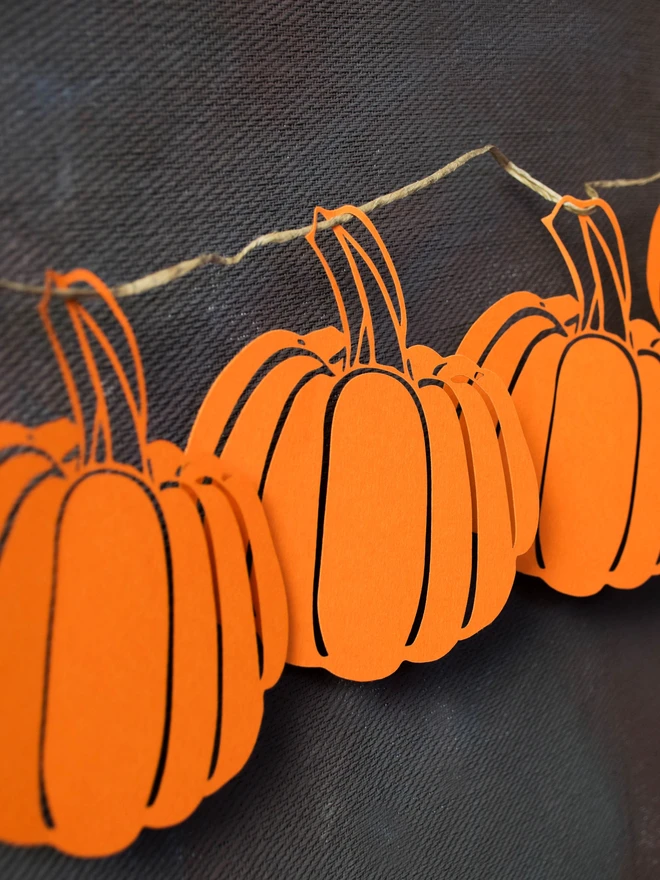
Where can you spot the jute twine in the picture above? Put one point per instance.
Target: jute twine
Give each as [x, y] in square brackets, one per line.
[163, 277]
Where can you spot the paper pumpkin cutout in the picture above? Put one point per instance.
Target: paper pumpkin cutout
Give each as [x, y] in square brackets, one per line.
[589, 403]
[398, 498]
[653, 265]
[130, 682]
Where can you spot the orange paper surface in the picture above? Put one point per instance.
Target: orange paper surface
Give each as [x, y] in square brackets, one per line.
[130, 679]
[398, 497]
[653, 265]
[589, 403]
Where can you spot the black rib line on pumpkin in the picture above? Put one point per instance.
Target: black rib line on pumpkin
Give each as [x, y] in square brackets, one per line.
[167, 726]
[648, 352]
[201, 513]
[249, 561]
[504, 458]
[9, 452]
[16, 506]
[626, 531]
[215, 755]
[71, 455]
[522, 362]
[260, 654]
[323, 488]
[474, 559]
[269, 364]
[281, 421]
[537, 541]
[472, 590]
[520, 315]
[54, 471]
[423, 593]
[472, 587]
[320, 522]
[43, 795]
[423, 382]
[215, 749]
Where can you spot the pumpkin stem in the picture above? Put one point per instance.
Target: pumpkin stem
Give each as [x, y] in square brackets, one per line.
[101, 416]
[137, 414]
[137, 407]
[350, 246]
[339, 299]
[597, 308]
[623, 288]
[620, 273]
[367, 324]
[62, 362]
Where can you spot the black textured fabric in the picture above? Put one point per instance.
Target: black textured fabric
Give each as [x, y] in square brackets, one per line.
[136, 134]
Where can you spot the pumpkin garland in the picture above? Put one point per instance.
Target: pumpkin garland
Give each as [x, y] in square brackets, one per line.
[589, 402]
[398, 496]
[130, 680]
[331, 508]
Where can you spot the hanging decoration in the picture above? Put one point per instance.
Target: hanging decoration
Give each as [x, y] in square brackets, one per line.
[653, 269]
[398, 495]
[130, 676]
[342, 503]
[588, 398]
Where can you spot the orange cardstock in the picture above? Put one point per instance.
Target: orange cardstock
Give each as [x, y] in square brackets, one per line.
[589, 403]
[131, 684]
[653, 265]
[398, 498]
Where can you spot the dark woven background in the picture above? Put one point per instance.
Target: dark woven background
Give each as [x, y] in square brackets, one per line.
[135, 134]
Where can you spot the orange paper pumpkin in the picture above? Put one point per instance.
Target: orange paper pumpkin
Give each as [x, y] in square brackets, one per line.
[130, 681]
[589, 403]
[398, 496]
[653, 267]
